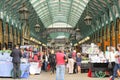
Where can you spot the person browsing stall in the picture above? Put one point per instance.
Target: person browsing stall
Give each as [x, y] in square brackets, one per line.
[60, 65]
[16, 54]
[117, 63]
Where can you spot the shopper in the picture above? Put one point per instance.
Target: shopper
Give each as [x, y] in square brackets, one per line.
[111, 59]
[74, 57]
[52, 61]
[60, 65]
[70, 64]
[16, 54]
[117, 63]
[78, 61]
[45, 61]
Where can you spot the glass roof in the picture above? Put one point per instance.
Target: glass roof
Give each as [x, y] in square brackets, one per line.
[60, 25]
[59, 35]
[52, 11]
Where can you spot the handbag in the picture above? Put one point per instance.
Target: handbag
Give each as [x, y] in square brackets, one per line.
[109, 65]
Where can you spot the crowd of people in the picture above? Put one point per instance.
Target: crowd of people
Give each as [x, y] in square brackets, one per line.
[73, 60]
[54, 61]
[115, 61]
[59, 60]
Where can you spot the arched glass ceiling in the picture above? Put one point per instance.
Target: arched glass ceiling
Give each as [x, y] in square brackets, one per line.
[60, 25]
[67, 11]
[59, 35]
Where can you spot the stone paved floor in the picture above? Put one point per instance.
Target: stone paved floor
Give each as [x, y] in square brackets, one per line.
[48, 76]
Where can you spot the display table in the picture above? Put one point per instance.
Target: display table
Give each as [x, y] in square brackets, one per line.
[99, 69]
[84, 66]
[35, 68]
[7, 67]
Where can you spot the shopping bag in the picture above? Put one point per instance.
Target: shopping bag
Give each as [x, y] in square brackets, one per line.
[109, 65]
[48, 67]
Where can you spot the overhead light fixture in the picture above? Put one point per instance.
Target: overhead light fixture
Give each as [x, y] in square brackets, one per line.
[77, 36]
[24, 13]
[72, 37]
[24, 18]
[37, 26]
[77, 29]
[87, 19]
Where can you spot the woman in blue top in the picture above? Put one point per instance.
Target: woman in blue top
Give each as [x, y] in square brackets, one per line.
[78, 61]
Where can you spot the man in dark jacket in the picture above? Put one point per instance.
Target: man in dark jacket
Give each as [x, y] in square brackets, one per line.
[16, 54]
[52, 61]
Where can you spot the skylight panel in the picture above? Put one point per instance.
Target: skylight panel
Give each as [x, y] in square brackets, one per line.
[33, 1]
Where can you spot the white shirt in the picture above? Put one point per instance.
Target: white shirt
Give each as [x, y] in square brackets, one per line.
[112, 56]
[117, 60]
[46, 58]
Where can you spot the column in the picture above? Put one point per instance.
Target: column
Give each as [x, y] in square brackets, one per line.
[0, 34]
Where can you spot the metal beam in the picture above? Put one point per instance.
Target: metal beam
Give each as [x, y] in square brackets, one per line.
[14, 11]
[47, 1]
[99, 7]
[8, 6]
[110, 10]
[116, 3]
[99, 2]
[69, 11]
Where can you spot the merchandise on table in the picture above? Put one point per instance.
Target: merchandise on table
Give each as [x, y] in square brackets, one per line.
[5, 55]
[8, 69]
[98, 63]
[6, 65]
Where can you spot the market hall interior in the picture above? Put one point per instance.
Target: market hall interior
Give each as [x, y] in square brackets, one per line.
[86, 31]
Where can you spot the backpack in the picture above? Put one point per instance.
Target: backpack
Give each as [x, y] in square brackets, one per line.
[52, 59]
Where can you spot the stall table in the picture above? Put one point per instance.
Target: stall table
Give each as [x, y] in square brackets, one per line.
[7, 67]
[99, 69]
[84, 66]
[35, 67]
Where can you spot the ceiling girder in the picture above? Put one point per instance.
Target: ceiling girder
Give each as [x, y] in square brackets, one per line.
[108, 5]
[105, 12]
[69, 11]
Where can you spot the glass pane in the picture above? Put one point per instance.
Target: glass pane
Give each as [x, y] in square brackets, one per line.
[86, 1]
[59, 10]
[33, 1]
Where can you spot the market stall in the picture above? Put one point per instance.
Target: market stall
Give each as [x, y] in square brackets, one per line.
[34, 58]
[84, 63]
[99, 69]
[35, 68]
[98, 64]
[6, 65]
[35, 64]
[6, 69]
